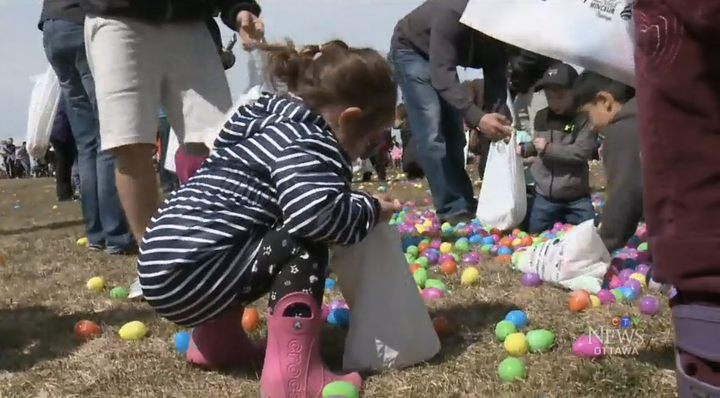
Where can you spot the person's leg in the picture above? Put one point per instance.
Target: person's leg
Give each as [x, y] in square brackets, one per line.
[295, 316]
[422, 104]
[452, 130]
[543, 214]
[63, 180]
[579, 211]
[64, 45]
[126, 57]
[678, 91]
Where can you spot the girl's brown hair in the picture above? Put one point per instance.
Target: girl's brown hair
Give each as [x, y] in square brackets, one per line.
[335, 73]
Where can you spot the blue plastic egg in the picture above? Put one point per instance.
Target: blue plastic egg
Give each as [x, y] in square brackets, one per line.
[339, 317]
[181, 341]
[488, 240]
[475, 239]
[518, 318]
[504, 250]
[329, 283]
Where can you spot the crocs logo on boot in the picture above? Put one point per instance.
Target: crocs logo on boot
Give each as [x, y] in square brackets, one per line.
[294, 369]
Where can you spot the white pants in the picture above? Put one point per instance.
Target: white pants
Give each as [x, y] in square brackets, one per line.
[140, 68]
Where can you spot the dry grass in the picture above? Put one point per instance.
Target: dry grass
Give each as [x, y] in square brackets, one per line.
[43, 294]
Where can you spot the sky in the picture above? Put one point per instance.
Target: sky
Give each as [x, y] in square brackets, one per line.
[360, 23]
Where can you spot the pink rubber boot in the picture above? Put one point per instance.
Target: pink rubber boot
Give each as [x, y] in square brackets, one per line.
[293, 367]
[222, 343]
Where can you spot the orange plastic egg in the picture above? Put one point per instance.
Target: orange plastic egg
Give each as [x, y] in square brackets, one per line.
[85, 329]
[515, 232]
[250, 319]
[526, 240]
[441, 325]
[495, 231]
[448, 267]
[578, 302]
[504, 258]
[505, 241]
[414, 267]
[422, 246]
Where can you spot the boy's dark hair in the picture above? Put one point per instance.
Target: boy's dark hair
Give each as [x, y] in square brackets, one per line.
[589, 84]
[359, 77]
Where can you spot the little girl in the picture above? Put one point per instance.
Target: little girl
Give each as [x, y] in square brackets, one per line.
[258, 215]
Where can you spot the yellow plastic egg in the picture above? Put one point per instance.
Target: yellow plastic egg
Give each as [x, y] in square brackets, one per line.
[446, 248]
[516, 242]
[96, 283]
[134, 330]
[427, 223]
[469, 276]
[594, 300]
[515, 344]
[82, 241]
[420, 228]
[640, 278]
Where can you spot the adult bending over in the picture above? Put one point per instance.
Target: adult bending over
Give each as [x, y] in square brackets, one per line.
[426, 48]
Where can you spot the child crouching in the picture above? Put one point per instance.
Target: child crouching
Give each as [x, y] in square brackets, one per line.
[258, 215]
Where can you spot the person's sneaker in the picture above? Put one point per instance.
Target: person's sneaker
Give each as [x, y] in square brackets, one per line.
[94, 247]
[135, 290]
[129, 250]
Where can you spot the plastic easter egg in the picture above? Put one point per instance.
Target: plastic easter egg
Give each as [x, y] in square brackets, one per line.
[605, 296]
[518, 318]
[437, 284]
[118, 292]
[339, 317]
[325, 311]
[475, 239]
[615, 282]
[423, 261]
[340, 389]
[431, 293]
[446, 248]
[250, 319]
[338, 304]
[448, 267]
[420, 277]
[413, 267]
[515, 344]
[539, 340]
[503, 329]
[511, 369]
[640, 278]
[181, 340]
[85, 329]
[628, 293]
[642, 269]
[95, 284]
[432, 256]
[594, 301]
[469, 276]
[82, 242]
[441, 325]
[649, 305]
[588, 346]
[619, 296]
[625, 274]
[635, 286]
[530, 279]
[504, 250]
[485, 249]
[642, 247]
[409, 258]
[134, 330]
[413, 250]
[488, 240]
[462, 245]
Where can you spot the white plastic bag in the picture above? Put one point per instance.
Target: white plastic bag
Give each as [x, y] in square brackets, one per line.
[44, 101]
[502, 203]
[389, 324]
[595, 34]
[577, 260]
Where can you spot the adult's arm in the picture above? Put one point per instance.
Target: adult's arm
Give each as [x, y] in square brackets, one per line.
[442, 53]
[229, 10]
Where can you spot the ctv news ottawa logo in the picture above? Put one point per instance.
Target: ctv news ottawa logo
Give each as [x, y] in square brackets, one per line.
[622, 337]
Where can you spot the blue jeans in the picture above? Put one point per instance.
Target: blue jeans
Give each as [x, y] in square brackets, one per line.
[105, 223]
[544, 212]
[438, 130]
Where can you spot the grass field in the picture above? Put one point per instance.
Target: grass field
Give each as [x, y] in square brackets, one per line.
[42, 295]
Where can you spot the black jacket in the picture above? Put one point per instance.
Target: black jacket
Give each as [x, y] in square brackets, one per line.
[149, 11]
[434, 31]
[621, 157]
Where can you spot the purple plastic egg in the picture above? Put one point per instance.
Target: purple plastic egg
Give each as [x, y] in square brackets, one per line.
[588, 346]
[558, 226]
[468, 259]
[338, 304]
[642, 269]
[494, 250]
[431, 293]
[435, 244]
[476, 256]
[605, 296]
[649, 305]
[634, 285]
[625, 274]
[432, 256]
[446, 257]
[496, 238]
[530, 279]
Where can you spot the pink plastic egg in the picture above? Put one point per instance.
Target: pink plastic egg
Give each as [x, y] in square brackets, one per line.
[530, 279]
[588, 346]
[605, 296]
[431, 293]
[649, 305]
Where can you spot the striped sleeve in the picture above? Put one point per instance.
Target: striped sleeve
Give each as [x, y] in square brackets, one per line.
[239, 122]
[316, 201]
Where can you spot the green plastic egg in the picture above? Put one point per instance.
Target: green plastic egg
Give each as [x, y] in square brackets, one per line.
[643, 247]
[462, 246]
[436, 284]
[118, 292]
[540, 340]
[619, 296]
[503, 329]
[485, 249]
[412, 250]
[423, 261]
[409, 258]
[511, 369]
[420, 275]
[340, 389]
